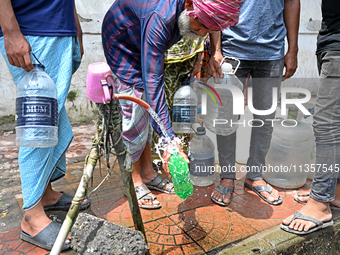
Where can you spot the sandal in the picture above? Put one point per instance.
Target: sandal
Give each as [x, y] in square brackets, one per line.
[296, 198]
[142, 192]
[259, 189]
[158, 183]
[46, 237]
[298, 215]
[64, 203]
[223, 191]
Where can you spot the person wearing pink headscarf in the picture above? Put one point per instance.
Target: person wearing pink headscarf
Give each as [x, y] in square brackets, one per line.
[135, 36]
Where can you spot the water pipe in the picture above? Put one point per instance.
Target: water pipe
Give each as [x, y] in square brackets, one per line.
[142, 103]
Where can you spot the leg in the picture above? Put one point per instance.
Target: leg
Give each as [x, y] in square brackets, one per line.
[266, 76]
[147, 172]
[327, 136]
[226, 146]
[137, 181]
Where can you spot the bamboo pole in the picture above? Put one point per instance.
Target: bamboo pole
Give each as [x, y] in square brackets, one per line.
[125, 165]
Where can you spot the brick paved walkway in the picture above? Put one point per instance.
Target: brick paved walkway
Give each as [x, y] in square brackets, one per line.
[191, 226]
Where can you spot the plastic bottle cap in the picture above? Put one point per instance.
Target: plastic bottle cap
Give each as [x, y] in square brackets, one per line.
[227, 68]
[201, 130]
[40, 66]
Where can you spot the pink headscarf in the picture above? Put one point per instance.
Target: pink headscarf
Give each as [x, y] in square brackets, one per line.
[216, 14]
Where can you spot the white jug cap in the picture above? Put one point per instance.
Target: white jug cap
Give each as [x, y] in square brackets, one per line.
[227, 68]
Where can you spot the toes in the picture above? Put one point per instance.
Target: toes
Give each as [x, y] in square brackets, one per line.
[227, 198]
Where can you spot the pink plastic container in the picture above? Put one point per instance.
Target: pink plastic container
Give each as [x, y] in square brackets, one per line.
[98, 75]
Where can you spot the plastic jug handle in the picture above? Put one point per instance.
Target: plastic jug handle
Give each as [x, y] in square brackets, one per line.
[195, 123]
[106, 90]
[237, 60]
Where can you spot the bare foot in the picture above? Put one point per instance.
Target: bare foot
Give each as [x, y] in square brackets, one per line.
[32, 224]
[270, 197]
[313, 208]
[143, 201]
[219, 196]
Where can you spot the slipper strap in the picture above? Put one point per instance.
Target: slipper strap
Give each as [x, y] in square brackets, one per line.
[224, 190]
[298, 215]
[266, 188]
[141, 191]
[159, 182]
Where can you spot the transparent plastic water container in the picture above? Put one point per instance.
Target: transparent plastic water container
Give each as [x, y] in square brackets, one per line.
[288, 155]
[224, 112]
[184, 109]
[36, 110]
[202, 159]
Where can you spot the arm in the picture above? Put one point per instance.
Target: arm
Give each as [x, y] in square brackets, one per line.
[79, 32]
[197, 65]
[153, 47]
[291, 15]
[16, 46]
[154, 42]
[214, 67]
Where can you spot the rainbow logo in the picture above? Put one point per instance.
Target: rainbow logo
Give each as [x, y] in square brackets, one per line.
[209, 93]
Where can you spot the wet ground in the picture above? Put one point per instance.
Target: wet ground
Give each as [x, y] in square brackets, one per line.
[192, 226]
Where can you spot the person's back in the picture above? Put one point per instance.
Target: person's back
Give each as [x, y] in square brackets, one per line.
[260, 33]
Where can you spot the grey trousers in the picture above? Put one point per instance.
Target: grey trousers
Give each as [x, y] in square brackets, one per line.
[265, 75]
[327, 127]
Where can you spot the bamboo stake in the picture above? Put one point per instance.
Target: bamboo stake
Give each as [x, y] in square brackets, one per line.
[125, 165]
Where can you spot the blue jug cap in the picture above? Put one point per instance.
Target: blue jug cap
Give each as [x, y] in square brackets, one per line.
[200, 131]
[39, 66]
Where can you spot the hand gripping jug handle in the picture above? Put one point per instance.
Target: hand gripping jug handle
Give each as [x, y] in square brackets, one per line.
[235, 59]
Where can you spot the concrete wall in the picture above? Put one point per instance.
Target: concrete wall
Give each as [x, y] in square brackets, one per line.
[91, 13]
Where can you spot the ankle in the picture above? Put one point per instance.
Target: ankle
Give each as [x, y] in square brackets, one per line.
[51, 198]
[227, 182]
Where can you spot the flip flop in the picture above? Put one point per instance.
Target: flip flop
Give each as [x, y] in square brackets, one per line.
[296, 198]
[334, 207]
[64, 203]
[267, 188]
[223, 191]
[142, 193]
[46, 237]
[298, 215]
[158, 183]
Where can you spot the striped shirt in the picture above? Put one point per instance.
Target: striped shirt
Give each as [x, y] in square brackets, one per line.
[135, 35]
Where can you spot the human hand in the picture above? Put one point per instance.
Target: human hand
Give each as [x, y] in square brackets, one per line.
[214, 67]
[166, 157]
[18, 50]
[195, 69]
[291, 63]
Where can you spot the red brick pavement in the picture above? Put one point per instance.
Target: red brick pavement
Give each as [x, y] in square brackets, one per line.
[191, 226]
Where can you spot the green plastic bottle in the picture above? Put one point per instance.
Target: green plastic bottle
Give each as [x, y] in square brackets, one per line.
[179, 171]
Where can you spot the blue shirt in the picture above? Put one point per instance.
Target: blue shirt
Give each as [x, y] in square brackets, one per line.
[260, 33]
[45, 17]
[136, 34]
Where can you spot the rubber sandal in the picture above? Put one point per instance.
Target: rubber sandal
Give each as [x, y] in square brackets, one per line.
[296, 198]
[142, 192]
[267, 188]
[46, 237]
[298, 215]
[334, 207]
[159, 182]
[223, 191]
[64, 203]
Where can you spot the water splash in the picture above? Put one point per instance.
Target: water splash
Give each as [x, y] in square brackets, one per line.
[164, 144]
